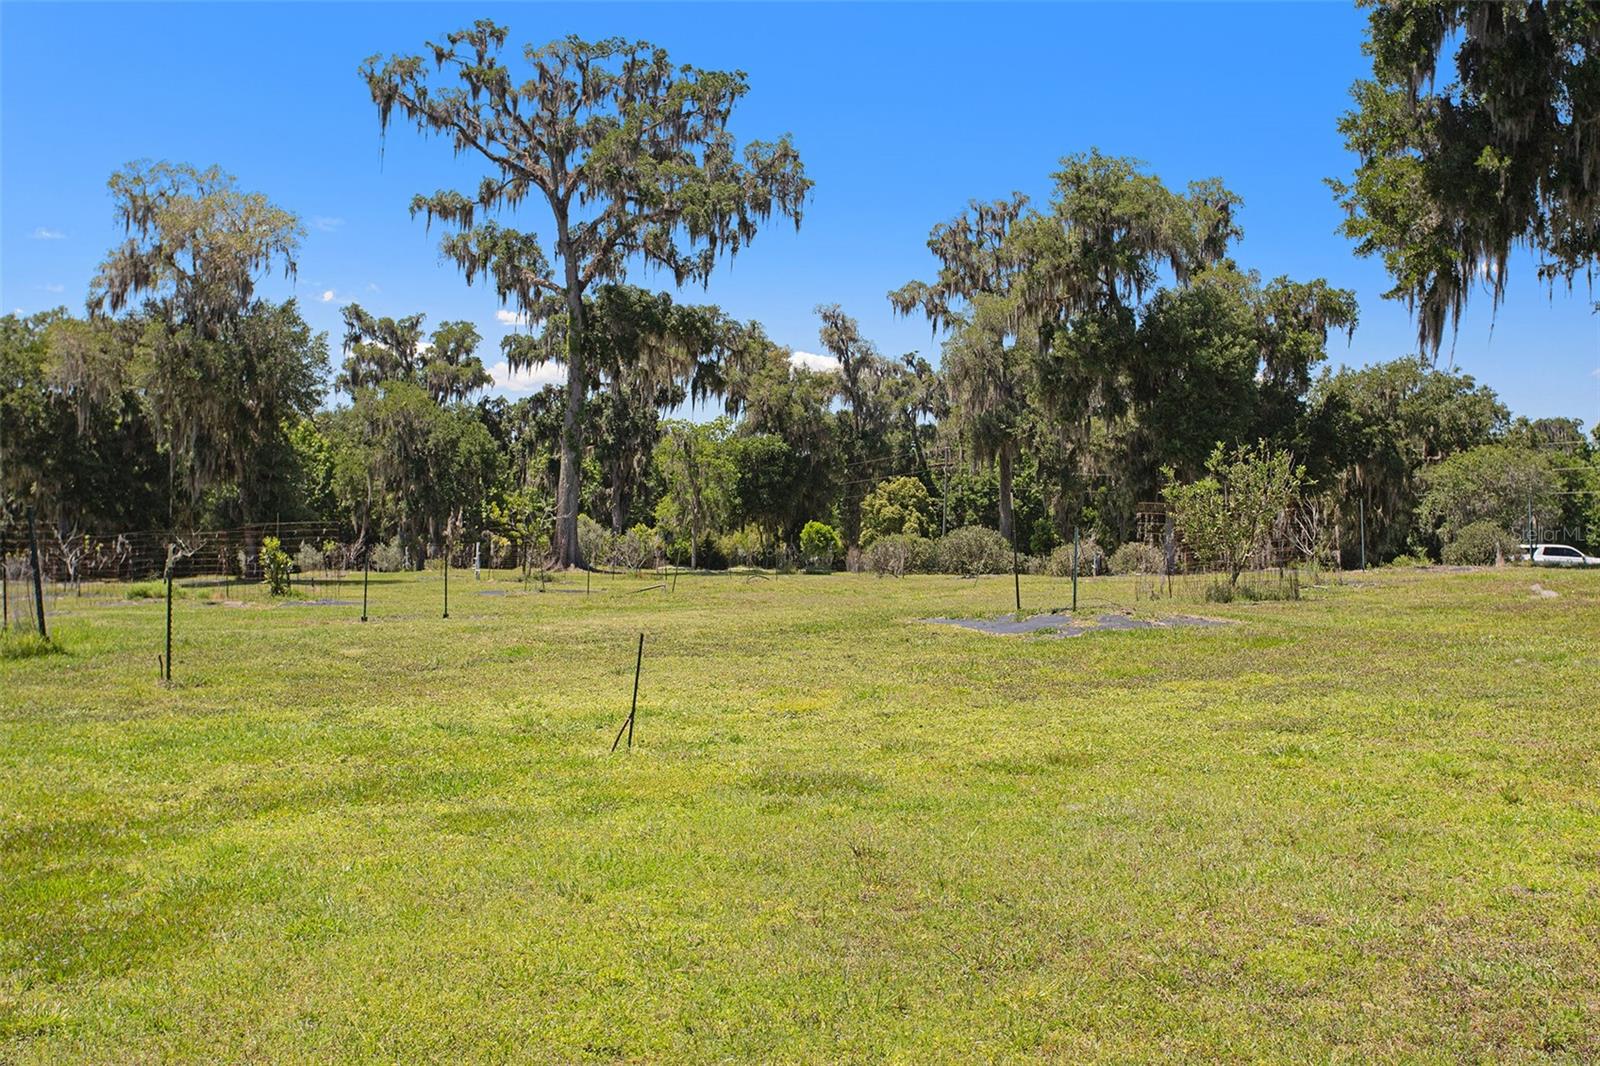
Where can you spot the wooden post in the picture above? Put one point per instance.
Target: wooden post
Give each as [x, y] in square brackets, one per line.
[38, 580]
[447, 578]
[366, 575]
[5, 585]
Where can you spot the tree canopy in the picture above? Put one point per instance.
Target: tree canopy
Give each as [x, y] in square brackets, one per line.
[1465, 157]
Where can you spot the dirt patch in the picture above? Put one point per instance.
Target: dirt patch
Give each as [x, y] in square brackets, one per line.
[1065, 625]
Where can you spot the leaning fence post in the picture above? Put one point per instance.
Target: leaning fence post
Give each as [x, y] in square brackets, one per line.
[633, 709]
[38, 582]
[1016, 579]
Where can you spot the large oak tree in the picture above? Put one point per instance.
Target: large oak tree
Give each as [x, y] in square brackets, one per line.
[630, 152]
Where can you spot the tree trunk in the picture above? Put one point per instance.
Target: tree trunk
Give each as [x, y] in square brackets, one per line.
[567, 550]
[1006, 521]
[619, 504]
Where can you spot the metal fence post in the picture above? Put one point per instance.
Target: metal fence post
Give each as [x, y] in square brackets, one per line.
[38, 582]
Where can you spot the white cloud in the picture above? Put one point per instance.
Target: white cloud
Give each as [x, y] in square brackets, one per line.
[328, 297]
[1595, 373]
[372, 286]
[53, 288]
[325, 223]
[812, 361]
[44, 233]
[528, 380]
[510, 318]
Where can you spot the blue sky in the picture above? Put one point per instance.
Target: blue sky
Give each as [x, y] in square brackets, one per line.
[902, 113]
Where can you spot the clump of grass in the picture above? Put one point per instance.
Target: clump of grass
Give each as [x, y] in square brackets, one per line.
[14, 645]
[152, 590]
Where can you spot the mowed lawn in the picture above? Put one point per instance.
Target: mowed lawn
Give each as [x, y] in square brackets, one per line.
[1365, 825]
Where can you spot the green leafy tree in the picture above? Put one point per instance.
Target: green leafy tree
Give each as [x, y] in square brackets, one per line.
[1497, 483]
[219, 369]
[1228, 516]
[76, 441]
[630, 152]
[699, 475]
[873, 393]
[820, 543]
[378, 350]
[897, 505]
[1462, 161]
[277, 566]
[1370, 433]
[986, 363]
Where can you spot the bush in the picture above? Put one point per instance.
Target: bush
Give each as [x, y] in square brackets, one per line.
[1137, 557]
[1409, 559]
[899, 554]
[1476, 543]
[276, 566]
[973, 550]
[152, 590]
[389, 558]
[309, 558]
[636, 549]
[1091, 560]
[820, 543]
[594, 541]
[742, 547]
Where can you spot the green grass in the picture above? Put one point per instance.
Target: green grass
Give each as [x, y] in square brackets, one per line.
[1364, 825]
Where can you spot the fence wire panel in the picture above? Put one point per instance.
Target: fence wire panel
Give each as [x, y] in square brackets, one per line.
[19, 609]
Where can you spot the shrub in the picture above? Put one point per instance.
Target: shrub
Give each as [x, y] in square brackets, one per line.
[389, 558]
[1410, 559]
[637, 548]
[309, 558]
[594, 541]
[1476, 543]
[1091, 560]
[820, 544]
[742, 547]
[152, 590]
[973, 550]
[276, 566]
[1137, 557]
[898, 554]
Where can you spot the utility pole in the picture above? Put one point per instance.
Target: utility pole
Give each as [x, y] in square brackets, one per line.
[944, 496]
[1361, 508]
[1530, 526]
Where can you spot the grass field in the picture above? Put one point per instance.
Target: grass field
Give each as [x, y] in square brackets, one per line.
[1364, 825]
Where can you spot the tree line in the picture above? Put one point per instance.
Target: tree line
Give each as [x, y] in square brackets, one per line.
[1096, 350]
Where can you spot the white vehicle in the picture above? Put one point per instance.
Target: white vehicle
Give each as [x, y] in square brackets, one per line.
[1558, 555]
